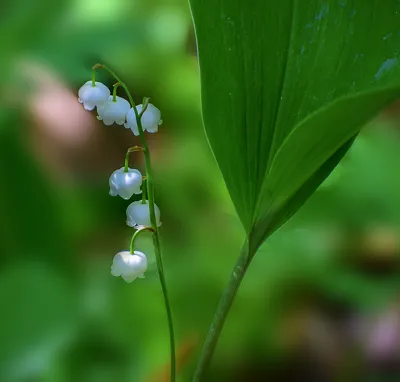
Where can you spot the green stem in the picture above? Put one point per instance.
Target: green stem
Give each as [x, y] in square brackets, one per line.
[128, 152]
[222, 311]
[136, 234]
[156, 236]
[94, 77]
[145, 104]
[115, 88]
[144, 191]
[126, 165]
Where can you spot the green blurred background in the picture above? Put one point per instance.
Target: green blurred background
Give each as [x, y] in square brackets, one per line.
[321, 301]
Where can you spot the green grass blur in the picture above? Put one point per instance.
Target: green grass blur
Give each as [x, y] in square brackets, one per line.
[321, 299]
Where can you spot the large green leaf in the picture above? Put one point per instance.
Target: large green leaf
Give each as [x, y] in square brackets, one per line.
[285, 84]
[269, 223]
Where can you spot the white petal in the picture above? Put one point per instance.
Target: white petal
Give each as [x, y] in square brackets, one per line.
[150, 119]
[118, 264]
[130, 223]
[115, 271]
[137, 190]
[152, 129]
[92, 96]
[89, 106]
[129, 266]
[135, 131]
[114, 111]
[131, 118]
[113, 185]
[108, 121]
[138, 261]
[125, 184]
[139, 214]
[125, 194]
[128, 279]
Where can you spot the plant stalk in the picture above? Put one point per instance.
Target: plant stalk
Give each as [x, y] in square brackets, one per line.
[144, 192]
[156, 236]
[128, 152]
[222, 311]
[135, 235]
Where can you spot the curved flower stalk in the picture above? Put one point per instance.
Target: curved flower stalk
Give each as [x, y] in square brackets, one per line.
[125, 182]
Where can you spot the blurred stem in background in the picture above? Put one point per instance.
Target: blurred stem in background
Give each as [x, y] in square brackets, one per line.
[224, 306]
[150, 193]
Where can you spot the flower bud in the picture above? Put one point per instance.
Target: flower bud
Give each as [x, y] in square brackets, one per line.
[91, 96]
[113, 111]
[151, 119]
[138, 214]
[125, 184]
[129, 266]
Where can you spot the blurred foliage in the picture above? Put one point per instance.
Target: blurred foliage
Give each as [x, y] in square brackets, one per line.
[64, 318]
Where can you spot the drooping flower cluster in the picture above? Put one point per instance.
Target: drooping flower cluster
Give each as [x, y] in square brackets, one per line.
[114, 109]
[125, 182]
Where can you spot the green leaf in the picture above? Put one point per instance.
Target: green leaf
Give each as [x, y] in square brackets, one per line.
[285, 84]
[271, 222]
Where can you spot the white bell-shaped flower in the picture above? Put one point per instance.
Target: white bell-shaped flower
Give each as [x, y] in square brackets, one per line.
[91, 96]
[113, 111]
[125, 184]
[151, 119]
[129, 265]
[138, 214]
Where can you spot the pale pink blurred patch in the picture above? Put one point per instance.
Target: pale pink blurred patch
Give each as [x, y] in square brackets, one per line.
[384, 335]
[55, 109]
[379, 334]
[67, 139]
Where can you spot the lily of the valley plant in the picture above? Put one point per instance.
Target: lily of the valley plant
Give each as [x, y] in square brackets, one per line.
[142, 215]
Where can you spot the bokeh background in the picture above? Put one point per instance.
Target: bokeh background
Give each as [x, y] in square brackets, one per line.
[321, 301]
